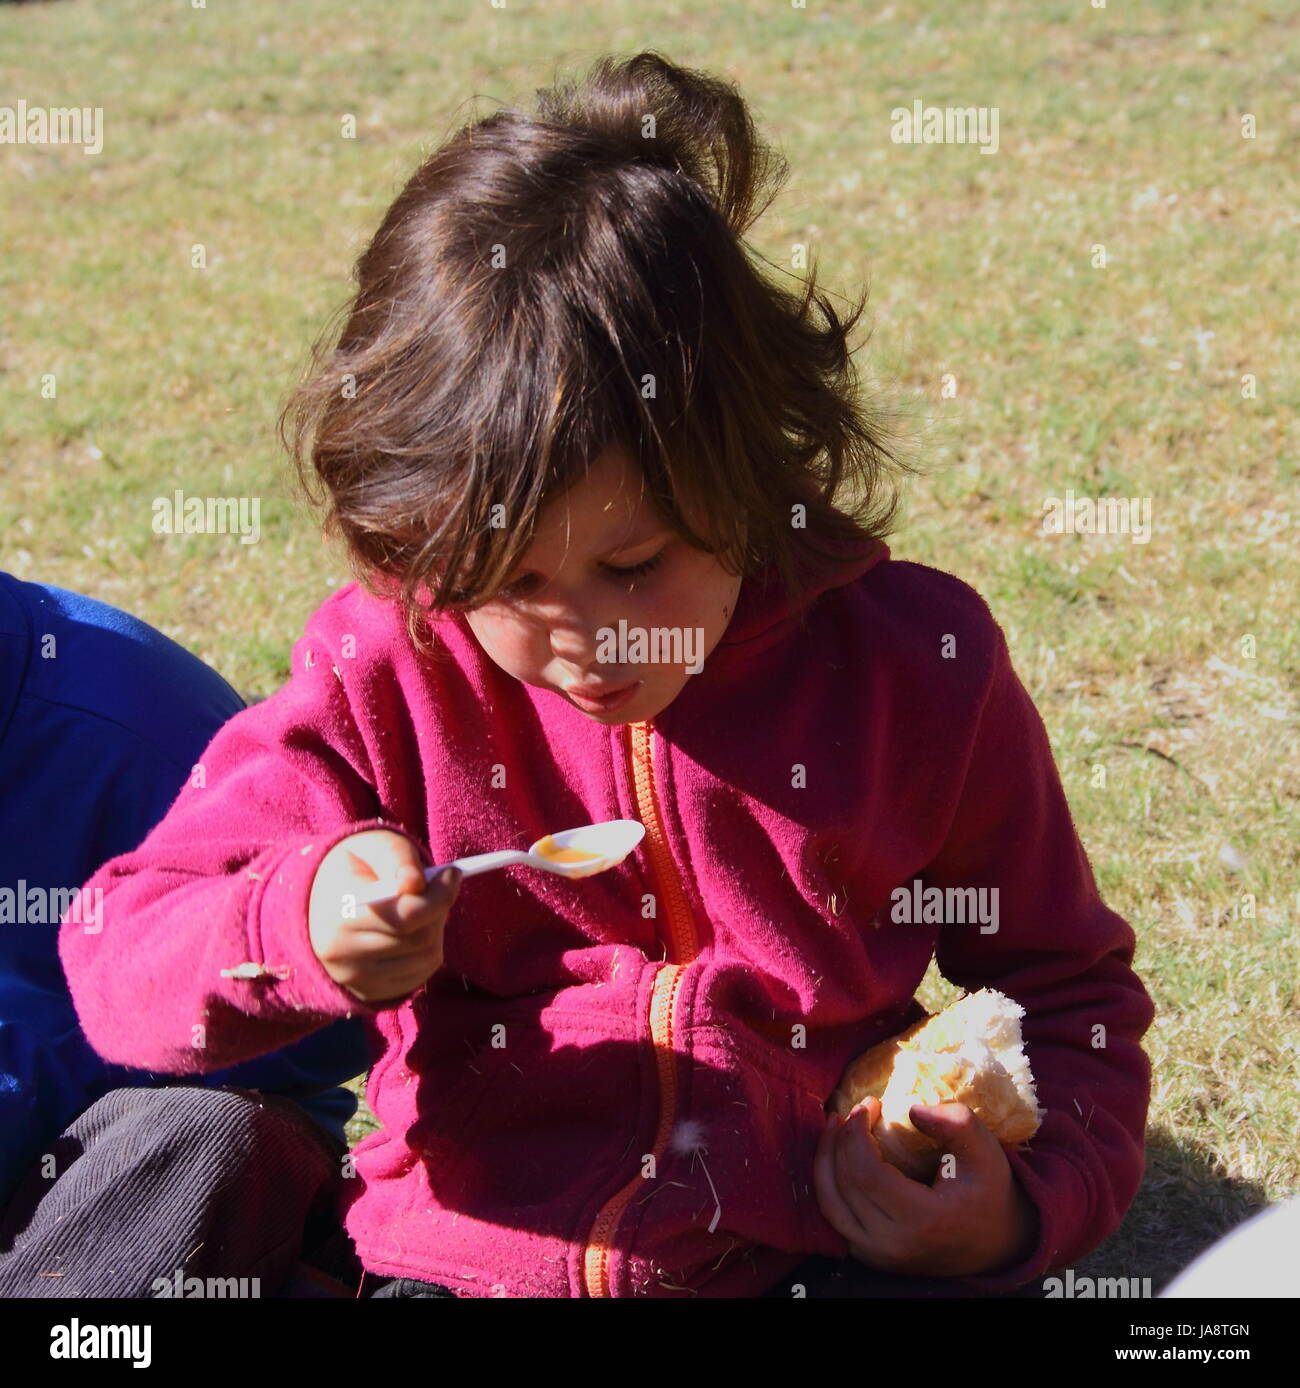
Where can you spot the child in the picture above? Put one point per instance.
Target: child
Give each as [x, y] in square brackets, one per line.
[589, 464]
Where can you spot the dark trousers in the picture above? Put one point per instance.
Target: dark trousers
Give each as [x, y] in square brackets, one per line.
[168, 1184]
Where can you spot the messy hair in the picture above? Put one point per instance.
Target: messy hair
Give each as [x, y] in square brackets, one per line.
[551, 283]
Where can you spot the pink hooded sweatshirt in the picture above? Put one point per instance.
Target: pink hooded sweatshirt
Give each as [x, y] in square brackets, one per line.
[616, 1086]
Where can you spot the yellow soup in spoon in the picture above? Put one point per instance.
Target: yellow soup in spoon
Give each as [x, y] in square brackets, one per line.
[548, 848]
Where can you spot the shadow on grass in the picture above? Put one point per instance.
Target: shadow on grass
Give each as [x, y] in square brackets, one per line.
[1187, 1201]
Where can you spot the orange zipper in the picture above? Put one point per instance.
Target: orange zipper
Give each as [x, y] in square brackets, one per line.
[682, 948]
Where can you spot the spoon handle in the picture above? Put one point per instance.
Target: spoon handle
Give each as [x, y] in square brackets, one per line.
[479, 862]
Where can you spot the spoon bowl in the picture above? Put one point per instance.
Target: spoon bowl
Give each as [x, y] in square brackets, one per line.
[581, 852]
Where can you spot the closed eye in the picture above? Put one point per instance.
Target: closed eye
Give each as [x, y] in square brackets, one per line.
[643, 567]
[617, 575]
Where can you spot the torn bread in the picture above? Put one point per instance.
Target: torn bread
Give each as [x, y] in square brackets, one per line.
[970, 1053]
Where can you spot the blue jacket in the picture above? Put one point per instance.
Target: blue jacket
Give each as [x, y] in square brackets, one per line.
[102, 719]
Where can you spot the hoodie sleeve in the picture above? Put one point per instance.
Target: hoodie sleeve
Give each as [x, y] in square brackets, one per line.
[1066, 958]
[200, 957]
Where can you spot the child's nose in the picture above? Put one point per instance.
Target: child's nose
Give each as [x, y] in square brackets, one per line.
[578, 652]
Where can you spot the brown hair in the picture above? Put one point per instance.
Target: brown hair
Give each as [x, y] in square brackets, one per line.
[549, 283]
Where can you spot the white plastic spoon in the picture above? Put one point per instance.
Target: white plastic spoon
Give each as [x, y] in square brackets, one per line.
[609, 843]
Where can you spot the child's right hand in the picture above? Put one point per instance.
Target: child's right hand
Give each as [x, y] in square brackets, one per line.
[376, 925]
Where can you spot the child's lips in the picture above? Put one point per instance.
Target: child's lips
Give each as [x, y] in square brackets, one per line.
[602, 698]
[598, 691]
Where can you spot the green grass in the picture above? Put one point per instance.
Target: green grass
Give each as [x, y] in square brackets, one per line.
[1118, 126]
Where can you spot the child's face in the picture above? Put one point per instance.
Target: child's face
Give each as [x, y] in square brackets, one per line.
[543, 628]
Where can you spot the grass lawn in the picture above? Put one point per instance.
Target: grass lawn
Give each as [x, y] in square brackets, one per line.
[1166, 671]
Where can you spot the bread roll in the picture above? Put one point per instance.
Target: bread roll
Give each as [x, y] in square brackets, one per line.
[970, 1053]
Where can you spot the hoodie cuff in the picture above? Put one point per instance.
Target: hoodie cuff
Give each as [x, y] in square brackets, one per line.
[1047, 1199]
[279, 929]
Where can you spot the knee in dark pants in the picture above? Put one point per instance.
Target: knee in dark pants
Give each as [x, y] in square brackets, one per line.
[162, 1185]
[378, 1288]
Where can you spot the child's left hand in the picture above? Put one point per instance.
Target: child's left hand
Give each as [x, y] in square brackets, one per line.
[978, 1220]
